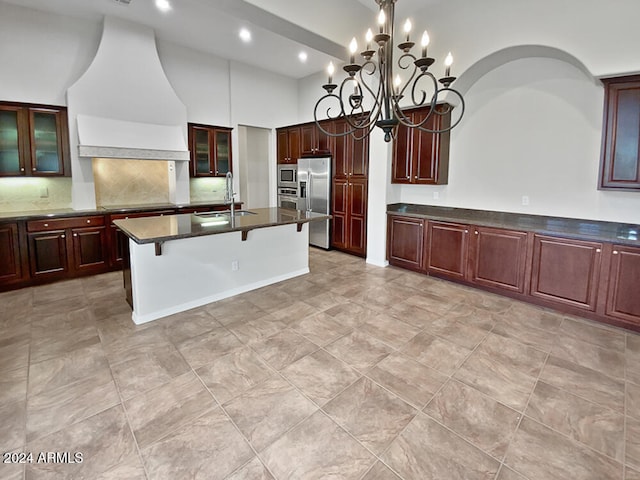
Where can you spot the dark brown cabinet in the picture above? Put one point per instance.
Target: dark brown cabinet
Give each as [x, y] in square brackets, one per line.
[620, 163]
[48, 255]
[89, 249]
[67, 246]
[210, 150]
[12, 268]
[350, 167]
[405, 247]
[349, 211]
[498, 258]
[447, 249]
[623, 296]
[566, 271]
[34, 140]
[421, 157]
[288, 144]
[592, 279]
[314, 141]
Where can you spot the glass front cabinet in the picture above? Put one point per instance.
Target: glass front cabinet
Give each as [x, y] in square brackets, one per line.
[210, 149]
[34, 140]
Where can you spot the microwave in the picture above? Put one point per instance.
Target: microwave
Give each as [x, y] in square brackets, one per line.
[288, 176]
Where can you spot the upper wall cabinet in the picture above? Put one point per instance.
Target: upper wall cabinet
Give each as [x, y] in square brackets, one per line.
[210, 150]
[422, 157]
[288, 139]
[34, 140]
[620, 163]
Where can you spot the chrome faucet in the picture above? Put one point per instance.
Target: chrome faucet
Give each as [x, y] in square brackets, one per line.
[228, 195]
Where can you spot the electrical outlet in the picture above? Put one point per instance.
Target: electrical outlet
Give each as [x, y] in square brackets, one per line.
[525, 200]
[44, 192]
[235, 266]
[436, 195]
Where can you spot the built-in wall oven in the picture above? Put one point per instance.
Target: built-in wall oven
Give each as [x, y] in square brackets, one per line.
[288, 176]
[288, 198]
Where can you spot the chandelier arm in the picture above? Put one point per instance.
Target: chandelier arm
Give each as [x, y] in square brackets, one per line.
[462, 108]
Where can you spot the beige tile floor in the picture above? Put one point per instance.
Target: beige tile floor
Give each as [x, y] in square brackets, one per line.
[350, 372]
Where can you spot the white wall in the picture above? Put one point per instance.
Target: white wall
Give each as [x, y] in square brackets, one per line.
[533, 128]
[42, 54]
[200, 80]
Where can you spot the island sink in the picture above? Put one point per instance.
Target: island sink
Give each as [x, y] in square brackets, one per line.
[225, 213]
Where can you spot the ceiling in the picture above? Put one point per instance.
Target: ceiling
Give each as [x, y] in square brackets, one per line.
[280, 29]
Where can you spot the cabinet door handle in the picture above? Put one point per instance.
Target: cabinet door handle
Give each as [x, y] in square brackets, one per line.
[476, 232]
[466, 231]
[33, 169]
[22, 169]
[416, 177]
[46, 224]
[615, 252]
[88, 221]
[75, 234]
[597, 250]
[210, 171]
[62, 236]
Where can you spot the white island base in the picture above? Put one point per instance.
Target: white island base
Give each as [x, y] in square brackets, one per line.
[199, 270]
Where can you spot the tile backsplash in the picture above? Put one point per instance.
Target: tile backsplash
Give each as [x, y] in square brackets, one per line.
[130, 182]
[18, 194]
[207, 189]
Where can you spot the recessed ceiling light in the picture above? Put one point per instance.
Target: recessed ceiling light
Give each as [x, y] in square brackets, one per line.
[302, 56]
[163, 5]
[245, 35]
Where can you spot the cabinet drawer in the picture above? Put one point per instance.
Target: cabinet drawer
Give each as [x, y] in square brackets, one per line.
[62, 223]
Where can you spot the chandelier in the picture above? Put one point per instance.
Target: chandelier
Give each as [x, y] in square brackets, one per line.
[383, 98]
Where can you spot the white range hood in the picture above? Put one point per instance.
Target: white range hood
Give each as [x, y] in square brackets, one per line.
[109, 138]
[124, 107]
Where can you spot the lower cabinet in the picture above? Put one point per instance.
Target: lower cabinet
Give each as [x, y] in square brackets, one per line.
[566, 271]
[447, 249]
[406, 242]
[349, 222]
[623, 296]
[67, 246]
[48, 254]
[498, 258]
[12, 266]
[598, 280]
[89, 249]
[491, 257]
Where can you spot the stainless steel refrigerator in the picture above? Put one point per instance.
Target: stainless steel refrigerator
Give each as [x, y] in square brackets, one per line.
[314, 194]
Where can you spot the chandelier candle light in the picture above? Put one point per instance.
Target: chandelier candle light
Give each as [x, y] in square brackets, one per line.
[387, 91]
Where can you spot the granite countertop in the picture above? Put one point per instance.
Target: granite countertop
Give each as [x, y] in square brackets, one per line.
[173, 227]
[69, 212]
[592, 230]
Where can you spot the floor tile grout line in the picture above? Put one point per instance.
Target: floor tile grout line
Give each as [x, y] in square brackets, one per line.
[244, 437]
[522, 413]
[626, 413]
[126, 416]
[580, 396]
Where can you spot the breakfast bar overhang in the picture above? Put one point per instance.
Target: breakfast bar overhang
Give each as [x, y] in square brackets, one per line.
[178, 262]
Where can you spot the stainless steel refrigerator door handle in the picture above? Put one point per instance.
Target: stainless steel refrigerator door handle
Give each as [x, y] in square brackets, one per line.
[309, 191]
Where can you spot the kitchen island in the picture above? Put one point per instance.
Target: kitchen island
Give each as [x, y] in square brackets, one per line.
[178, 262]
